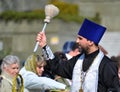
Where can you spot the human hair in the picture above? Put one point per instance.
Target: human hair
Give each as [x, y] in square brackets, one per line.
[116, 59]
[103, 50]
[32, 61]
[70, 46]
[60, 55]
[40, 60]
[8, 60]
[76, 46]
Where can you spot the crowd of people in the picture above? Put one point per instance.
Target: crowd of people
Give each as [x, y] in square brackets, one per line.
[81, 66]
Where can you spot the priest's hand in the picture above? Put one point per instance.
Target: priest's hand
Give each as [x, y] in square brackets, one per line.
[41, 38]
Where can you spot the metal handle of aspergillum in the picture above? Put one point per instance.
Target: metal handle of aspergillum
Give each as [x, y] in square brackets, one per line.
[37, 43]
[50, 12]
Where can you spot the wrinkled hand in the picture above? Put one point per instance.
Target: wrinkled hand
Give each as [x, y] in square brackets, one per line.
[41, 38]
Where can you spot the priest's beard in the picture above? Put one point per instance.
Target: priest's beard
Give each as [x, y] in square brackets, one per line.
[85, 50]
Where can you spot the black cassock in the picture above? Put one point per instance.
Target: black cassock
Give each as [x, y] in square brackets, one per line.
[108, 72]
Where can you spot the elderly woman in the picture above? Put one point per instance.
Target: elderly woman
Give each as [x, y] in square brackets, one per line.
[10, 79]
[31, 73]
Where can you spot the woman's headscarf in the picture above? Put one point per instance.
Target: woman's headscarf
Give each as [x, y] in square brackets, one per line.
[30, 63]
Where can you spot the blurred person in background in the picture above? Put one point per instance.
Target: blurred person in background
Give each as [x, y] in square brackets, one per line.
[118, 63]
[116, 59]
[89, 70]
[31, 73]
[71, 48]
[11, 81]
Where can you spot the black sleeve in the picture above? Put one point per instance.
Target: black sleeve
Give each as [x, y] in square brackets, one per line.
[108, 76]
[62, 68]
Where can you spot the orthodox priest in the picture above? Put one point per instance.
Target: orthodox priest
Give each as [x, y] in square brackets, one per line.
[90, 71]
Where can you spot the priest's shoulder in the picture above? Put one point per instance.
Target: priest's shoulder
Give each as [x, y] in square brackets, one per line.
[107, 61]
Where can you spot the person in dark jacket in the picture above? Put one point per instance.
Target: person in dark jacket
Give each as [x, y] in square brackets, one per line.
[90, 71]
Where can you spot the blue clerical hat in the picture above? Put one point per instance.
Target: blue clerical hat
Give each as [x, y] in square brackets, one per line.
[91, 31]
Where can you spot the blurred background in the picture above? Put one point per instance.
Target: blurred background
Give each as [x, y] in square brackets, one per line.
[21, 20]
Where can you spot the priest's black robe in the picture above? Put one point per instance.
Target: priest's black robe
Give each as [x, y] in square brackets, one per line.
[108, 71]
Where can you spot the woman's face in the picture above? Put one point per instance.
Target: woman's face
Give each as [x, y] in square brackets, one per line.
[12, 69]
[40, 69]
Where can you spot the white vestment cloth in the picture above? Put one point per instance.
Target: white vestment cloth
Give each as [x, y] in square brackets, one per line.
[90, 83]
